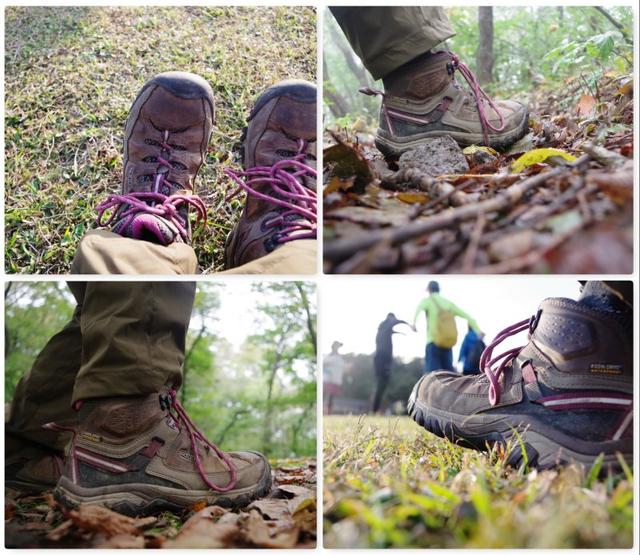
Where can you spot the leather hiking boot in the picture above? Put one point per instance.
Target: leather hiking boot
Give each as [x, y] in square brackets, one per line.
[31, 471]
[141, 455]
[566, 396]
[165, 143]
[423, 99]
[279, 177]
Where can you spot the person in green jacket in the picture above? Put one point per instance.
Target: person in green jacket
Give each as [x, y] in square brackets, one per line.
[441, 329]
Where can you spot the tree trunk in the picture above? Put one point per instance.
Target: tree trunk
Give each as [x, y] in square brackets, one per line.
[484, 54]
[310, 323]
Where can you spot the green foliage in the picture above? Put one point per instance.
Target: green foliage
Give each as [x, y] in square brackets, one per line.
[390, 484]
[258, 395]
[34, 311]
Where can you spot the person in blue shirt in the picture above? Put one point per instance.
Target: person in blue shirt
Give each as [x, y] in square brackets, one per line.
[470, 352]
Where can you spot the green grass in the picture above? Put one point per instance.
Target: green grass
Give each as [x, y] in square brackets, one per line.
[388, 483]
[71, 74]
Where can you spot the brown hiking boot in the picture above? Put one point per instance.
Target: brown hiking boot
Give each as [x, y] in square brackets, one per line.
[31, 470]
[422, 99]
[165, 143]
[566, 396]
[140, 455]
[279, 177]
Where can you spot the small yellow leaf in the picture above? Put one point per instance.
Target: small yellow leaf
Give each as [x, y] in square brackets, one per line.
[338, 184]
[475, 148]
[537, 156]
[413, 198]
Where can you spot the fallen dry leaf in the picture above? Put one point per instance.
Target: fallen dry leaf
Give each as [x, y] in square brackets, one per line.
[207, 530]
[273, 534]
[104, 521]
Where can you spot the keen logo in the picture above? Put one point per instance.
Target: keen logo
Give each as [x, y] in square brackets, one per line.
[607, 369]
[91, 437]
[186, 456]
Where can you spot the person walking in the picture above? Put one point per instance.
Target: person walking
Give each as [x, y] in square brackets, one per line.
[383, 357]
[471, 351]
[333, 370]
[442, 333]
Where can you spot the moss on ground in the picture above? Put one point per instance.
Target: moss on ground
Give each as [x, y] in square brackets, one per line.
[71, 74]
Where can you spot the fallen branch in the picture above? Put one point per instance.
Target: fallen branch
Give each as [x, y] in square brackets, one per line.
[344, 248]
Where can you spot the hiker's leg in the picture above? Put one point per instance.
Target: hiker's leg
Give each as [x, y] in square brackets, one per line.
[422, 99]
[44, 394]
[133, 336]
[133, 349]
[382, 380]
[294, 257]
[446, 357]
[105, 252]
[431, 359]
[387, 37]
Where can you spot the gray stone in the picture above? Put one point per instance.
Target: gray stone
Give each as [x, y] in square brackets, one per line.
[437, 156]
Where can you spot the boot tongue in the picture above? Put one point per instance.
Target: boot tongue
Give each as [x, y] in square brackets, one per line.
[151, 228]
[573, 346]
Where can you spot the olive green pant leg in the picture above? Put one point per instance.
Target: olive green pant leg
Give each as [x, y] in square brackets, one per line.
[44, 394]
[387, 37]
[133, 336]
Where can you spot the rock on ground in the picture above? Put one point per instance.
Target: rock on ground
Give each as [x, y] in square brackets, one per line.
[437, 156]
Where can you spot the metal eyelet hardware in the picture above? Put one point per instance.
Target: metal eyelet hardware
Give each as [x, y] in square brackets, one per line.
[165, 401]
[533, 322]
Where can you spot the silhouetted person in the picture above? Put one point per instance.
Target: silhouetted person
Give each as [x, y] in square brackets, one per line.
[383, 358]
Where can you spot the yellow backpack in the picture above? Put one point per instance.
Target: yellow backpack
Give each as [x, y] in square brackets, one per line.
[445, 334]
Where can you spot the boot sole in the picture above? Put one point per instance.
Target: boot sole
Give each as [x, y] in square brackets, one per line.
[532, 443]
[26, 488]
[392, 149]
[149, 499]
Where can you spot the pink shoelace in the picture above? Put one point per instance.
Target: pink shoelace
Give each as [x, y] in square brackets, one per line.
[171, 403]
[297, 218]
[153, 202]
[479, 95]
[179, 416]
[487, 363]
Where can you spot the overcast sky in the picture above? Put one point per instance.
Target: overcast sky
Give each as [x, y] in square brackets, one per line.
[351, 307]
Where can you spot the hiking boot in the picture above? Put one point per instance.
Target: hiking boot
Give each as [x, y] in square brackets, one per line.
[165, 143]
[31, 470]
[566, 396]
[279, 177]
[141, 455]
[422, 99]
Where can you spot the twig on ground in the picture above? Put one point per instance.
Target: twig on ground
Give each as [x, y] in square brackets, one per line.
[341, 249]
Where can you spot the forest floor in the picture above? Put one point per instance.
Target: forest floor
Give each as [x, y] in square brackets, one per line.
[388, 483]
[71, 74]
[286, 518]
[560, 200]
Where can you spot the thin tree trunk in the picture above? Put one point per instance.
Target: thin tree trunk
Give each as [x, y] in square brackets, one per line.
[268, 412]
[234, 420]
[616, 24]
[310, 323]
[185, 365]
[484, 54]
